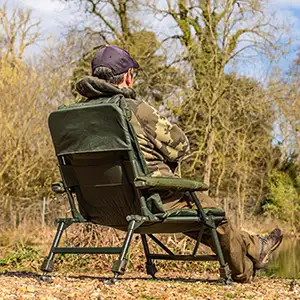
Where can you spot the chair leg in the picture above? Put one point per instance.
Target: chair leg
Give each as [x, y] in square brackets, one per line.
[48, 264]
[150, 266]
[119, 265]
[225, 272]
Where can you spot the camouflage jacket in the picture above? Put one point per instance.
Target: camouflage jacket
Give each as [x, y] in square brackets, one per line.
[161, 142]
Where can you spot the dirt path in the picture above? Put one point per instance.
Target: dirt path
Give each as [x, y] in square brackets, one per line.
[138, 286]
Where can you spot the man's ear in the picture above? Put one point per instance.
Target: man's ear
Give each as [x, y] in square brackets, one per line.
[128, 78]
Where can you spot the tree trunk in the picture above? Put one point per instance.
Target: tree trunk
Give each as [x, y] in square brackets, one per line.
[209, 157]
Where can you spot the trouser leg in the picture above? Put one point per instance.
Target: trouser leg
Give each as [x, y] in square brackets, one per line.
[235, 245]
[240, 249]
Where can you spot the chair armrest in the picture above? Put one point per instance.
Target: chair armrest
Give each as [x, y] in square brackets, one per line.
[214, 212]
[58, 187]
[169, 183]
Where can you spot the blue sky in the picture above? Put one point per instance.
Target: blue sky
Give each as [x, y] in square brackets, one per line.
[54, 16]
[54, 12]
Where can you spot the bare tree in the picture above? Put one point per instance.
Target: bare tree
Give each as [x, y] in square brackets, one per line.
[111, 20]
[213, 33]
[18, 31]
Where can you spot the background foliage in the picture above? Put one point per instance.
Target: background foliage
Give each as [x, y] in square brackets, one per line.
[234, 123]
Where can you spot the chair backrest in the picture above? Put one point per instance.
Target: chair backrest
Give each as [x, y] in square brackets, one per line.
[98, 159]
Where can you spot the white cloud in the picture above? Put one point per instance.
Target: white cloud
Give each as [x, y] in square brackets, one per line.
[44, 6]
[286, 3]
[53, 14]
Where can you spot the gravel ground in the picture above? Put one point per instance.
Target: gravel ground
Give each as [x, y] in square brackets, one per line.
[16, 285]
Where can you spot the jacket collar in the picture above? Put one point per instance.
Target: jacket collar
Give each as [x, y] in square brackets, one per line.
[93, 87]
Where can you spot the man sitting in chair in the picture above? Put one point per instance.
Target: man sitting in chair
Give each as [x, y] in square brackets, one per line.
[164, 143]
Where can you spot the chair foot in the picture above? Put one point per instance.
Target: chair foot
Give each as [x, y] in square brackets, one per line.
[119, 267]
[116, 276]
[225, 274]
[45, 278]
[151, 269]
[227, 281]
[113, 280]
[47, 265]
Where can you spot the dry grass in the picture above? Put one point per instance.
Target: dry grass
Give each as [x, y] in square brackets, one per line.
[24, 248]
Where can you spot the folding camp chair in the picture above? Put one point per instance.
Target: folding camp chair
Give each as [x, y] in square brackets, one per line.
[102, 167]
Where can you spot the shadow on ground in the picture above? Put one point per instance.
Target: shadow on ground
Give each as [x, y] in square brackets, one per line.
[39, 277]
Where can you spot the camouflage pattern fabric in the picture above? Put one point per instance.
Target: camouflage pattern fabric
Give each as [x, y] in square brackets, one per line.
[161, 142]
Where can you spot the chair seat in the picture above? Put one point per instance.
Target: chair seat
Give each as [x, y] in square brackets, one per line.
[218, 212]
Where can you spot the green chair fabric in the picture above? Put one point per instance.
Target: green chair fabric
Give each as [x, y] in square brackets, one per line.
[89, 129]
[174, 184]
[94, 142]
